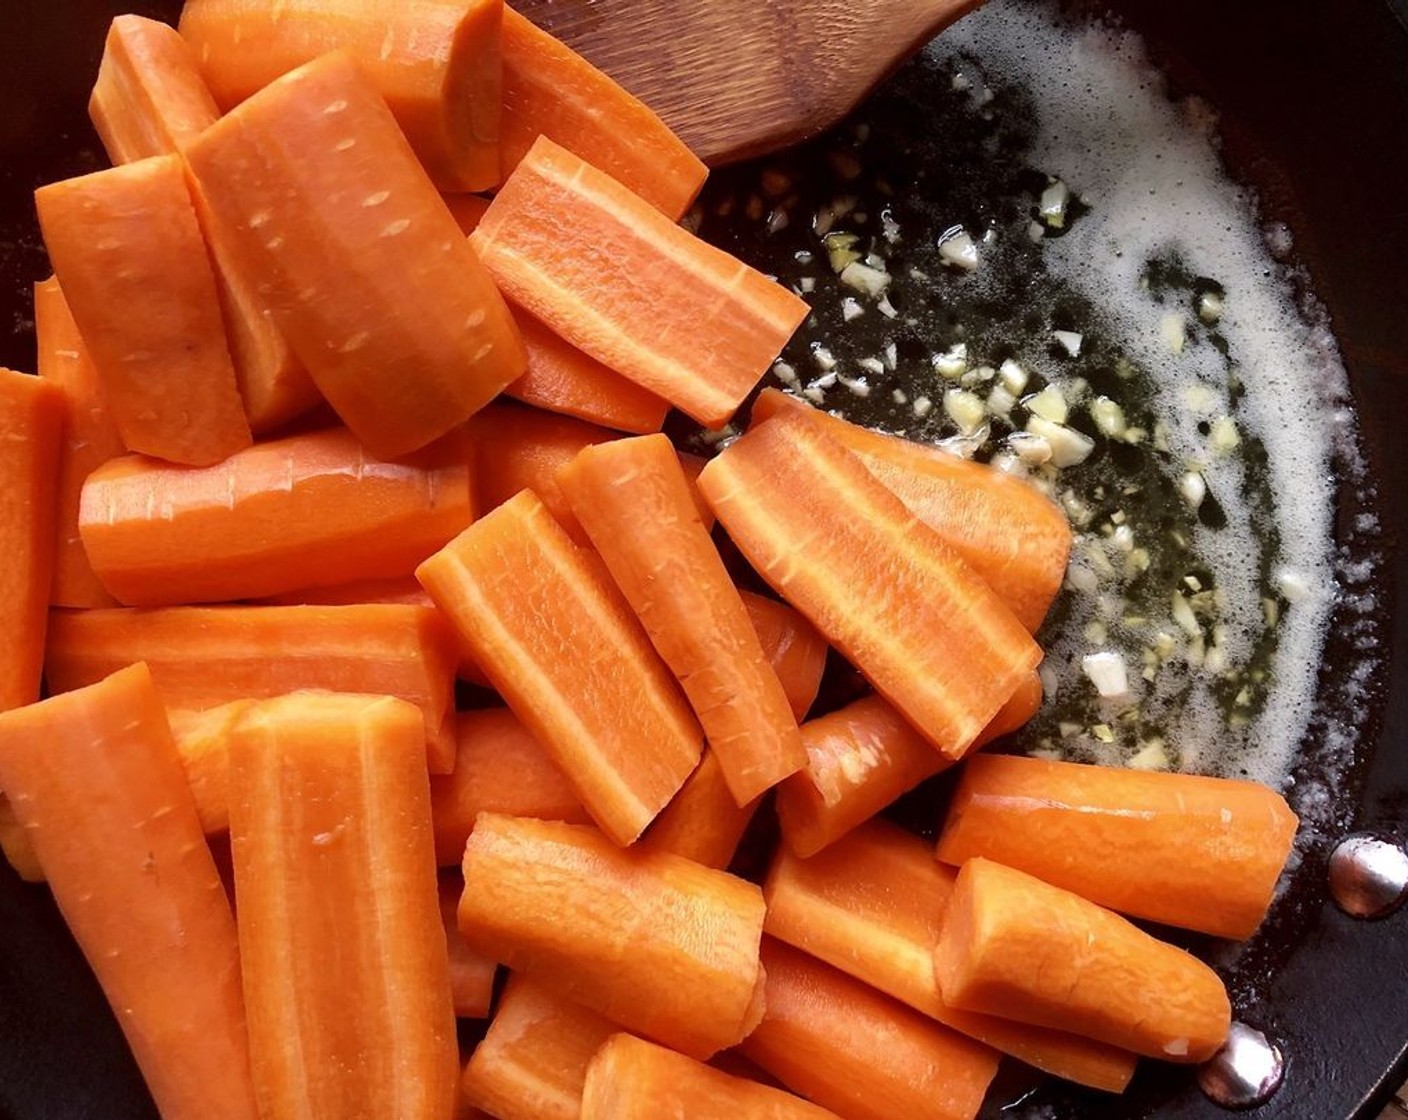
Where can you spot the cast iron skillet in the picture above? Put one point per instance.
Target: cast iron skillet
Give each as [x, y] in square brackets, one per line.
[1314, 103]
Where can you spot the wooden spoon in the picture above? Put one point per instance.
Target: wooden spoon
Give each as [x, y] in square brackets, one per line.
[736, 78]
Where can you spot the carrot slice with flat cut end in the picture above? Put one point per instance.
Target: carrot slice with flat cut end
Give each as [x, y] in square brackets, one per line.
[436, 62]
[363, 267]
[128, 250]
[96, 782]
[330, 833]
[1006, 530]
[655, 942]
[702, 822]
[471, 974]
[202, 740]
[797, 652]
[872, 905]
[627, 286]
[1022, 949]
[541, 617]
[928, 634]
[637, 506]
[1181, 849]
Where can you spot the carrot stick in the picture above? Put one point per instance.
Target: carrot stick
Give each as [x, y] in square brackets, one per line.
[631, 1079]
[345, 964]
[550, 90]
[862, 757]
[203, 742]
[128, 251]
[436, 62]
[795, 650]
[533, 1060]
[366, 272]
[632, 289]
[702, 822]
[471, 974]
[929, 635]
[636, 505]
[1019, 948]
[872, 905]
[499, 768]
[1184, 850]
[298, 512]
[15, 846]
[845, 1046]
[554, 637]
[1006, 530]
[655, 942]
[95, 781]
[201, 657]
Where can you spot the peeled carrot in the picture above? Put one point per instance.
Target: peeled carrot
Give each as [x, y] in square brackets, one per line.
[1022, 949]
[366, 272]
[1184, 850]
[862, 757]
[128, 251]
[471, 973]
[702, 822]
[19, 853]
[930, 636]
[436, 62]
[632, 289]
[845, 1046]
[297, 512]
[795, 650]
[554, 637]
[346, 970]
[96, 782]
[653, 941]
[872, 905]
[1014, 537]
[201, 657]
[631, 1079]
[203, 741]
[550, 90]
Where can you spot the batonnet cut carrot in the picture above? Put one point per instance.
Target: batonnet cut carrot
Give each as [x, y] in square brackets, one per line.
[795, 650]
[637, 507]
[1008, 532]
[857, 1052]
[128, 250]
[471, 973]
[562, 648]
[330, 833]
[1022, 949]
[656, 943]
[927, 633]
[1185, 850]
[436, 62]
[550, 90]
[95, 781]
[202, 740]
[363, 267]
[292, 513]
[872, 905]
[702, 822]
[631, 1079]
[626, 285]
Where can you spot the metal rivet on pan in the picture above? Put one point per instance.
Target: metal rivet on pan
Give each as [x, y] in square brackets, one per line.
[1245, 1072]
[1368, 876]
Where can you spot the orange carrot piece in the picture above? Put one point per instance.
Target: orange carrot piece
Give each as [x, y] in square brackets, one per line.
[550, 90]
[330, 832]
[366, 272]
[632, 289]
[96, 782]
[128, 250]
[636, 505]
[1181, 849]
[19, 853]
[471, 973]
[436, 62]
[554, 637]
[297, 512]
[862, 757]
[201, 657]
[203, 741]
[857, 1052]
[794, 648]
[872, 905]
[1013, 946]
[929, 635]
[90, 439]
[631, 1079]
[1006, 530]
[702, 822]
[533, 1060]
[655, 942]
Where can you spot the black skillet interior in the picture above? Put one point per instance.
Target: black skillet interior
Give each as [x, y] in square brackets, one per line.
[1313, 98]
